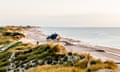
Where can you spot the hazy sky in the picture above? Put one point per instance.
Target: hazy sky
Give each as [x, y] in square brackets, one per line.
[105, 13]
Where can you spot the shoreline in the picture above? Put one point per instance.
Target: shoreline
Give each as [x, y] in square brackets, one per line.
[20, 44]
[107, 38]
[98, 52]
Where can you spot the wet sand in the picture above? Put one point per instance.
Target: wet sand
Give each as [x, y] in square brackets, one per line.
[104, 53]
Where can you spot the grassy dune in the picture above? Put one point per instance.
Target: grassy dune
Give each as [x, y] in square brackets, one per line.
[26, 57]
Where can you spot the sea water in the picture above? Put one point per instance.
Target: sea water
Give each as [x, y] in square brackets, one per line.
[109, 37]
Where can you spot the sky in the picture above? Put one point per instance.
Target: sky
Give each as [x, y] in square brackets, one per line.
[62, 13]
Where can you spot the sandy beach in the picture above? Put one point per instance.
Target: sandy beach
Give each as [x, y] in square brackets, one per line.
[105, 53]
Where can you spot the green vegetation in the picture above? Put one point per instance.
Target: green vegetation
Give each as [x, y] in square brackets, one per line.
[16, 56]
[44, 54]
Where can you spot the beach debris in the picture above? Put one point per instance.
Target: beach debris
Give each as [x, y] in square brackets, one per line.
[100, 50]
[54, 36]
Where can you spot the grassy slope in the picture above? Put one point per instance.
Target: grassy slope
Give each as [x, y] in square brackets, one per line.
[18, 56]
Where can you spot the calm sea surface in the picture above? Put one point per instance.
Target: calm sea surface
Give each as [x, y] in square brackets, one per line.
[109, 37]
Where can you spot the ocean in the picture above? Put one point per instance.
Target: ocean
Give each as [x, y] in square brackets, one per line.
[109, 37]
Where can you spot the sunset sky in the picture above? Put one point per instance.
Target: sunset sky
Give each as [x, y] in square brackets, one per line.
[77, 13]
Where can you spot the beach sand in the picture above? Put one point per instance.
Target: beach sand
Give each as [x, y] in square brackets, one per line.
[99, 52]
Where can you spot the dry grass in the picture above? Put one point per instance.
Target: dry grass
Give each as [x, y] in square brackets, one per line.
[55, 55]
[55, 68]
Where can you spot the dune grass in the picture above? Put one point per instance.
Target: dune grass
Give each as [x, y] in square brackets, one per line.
[55, 68]
[16, 56]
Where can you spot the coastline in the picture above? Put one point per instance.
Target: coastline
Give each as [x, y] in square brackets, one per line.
[98, 52]
[27, 46]
[108, 37]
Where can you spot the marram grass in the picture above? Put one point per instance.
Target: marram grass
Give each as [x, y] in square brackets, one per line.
[17, 56]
